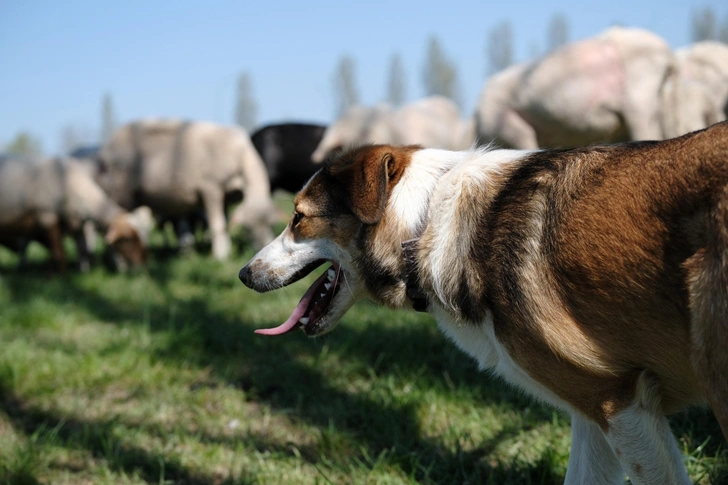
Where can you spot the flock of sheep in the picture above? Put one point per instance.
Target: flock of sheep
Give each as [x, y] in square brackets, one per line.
[624, 84]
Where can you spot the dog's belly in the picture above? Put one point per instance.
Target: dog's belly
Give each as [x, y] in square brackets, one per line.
[480, 342]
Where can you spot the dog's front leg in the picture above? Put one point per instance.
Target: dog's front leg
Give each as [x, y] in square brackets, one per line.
[640, 437]
[591, 460]
[646, 448]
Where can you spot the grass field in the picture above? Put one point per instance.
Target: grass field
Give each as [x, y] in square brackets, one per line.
[157, 378]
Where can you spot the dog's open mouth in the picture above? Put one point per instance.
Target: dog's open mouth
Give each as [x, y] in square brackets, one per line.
[313, 304]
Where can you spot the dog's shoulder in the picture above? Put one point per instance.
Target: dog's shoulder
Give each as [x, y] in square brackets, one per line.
[488, 212]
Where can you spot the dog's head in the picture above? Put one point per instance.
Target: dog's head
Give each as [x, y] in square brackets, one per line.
[354, 213]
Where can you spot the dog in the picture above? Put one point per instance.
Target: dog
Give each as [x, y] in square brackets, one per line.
[595, 279]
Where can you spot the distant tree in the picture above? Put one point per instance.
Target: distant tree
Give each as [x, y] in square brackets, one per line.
[558, 32]
[346, 93]
[440, 75]
[108, 118]
[703, 25]
[24, 144]
[500, 47]
[723, 34]
[246, 109]
[396, 89]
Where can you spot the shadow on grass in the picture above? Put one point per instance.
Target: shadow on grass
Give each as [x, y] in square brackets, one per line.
[98, 438]
[270, 372]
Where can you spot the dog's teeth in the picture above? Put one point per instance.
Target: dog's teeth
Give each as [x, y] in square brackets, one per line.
[327, 286]
[303, 320]
[331, 274]
[323, 295]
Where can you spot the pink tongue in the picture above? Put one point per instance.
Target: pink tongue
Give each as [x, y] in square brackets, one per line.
[298, 312]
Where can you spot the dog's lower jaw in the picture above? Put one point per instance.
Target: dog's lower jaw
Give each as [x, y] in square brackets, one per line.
[337, 309]
[320, 327]
[394, 298]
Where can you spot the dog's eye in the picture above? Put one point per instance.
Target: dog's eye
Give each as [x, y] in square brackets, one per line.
[297, 216]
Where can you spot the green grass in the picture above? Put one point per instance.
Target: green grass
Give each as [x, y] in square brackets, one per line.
[157, 378]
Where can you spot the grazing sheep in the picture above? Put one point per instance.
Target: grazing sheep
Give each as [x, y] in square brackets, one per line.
[175, 167]
[700, 90]
[43, 199]
[603, 89]
[431, 122]
[286, 150]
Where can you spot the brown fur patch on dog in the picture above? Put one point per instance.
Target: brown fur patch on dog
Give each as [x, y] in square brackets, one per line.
[368, 175]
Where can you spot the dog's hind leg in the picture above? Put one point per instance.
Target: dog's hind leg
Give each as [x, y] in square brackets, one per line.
[640, 437]
[591, 459]
[708, 286]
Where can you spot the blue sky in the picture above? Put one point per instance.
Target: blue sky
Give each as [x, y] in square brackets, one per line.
[182, 58]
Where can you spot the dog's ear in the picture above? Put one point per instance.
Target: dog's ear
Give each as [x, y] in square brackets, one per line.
[368, 174]
[369, 192]
[367, 184]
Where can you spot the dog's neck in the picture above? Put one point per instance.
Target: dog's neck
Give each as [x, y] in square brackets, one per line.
[413, 198]
[410, 204]
[414, 291]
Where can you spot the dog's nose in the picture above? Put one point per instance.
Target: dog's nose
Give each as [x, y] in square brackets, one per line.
[245, 276]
